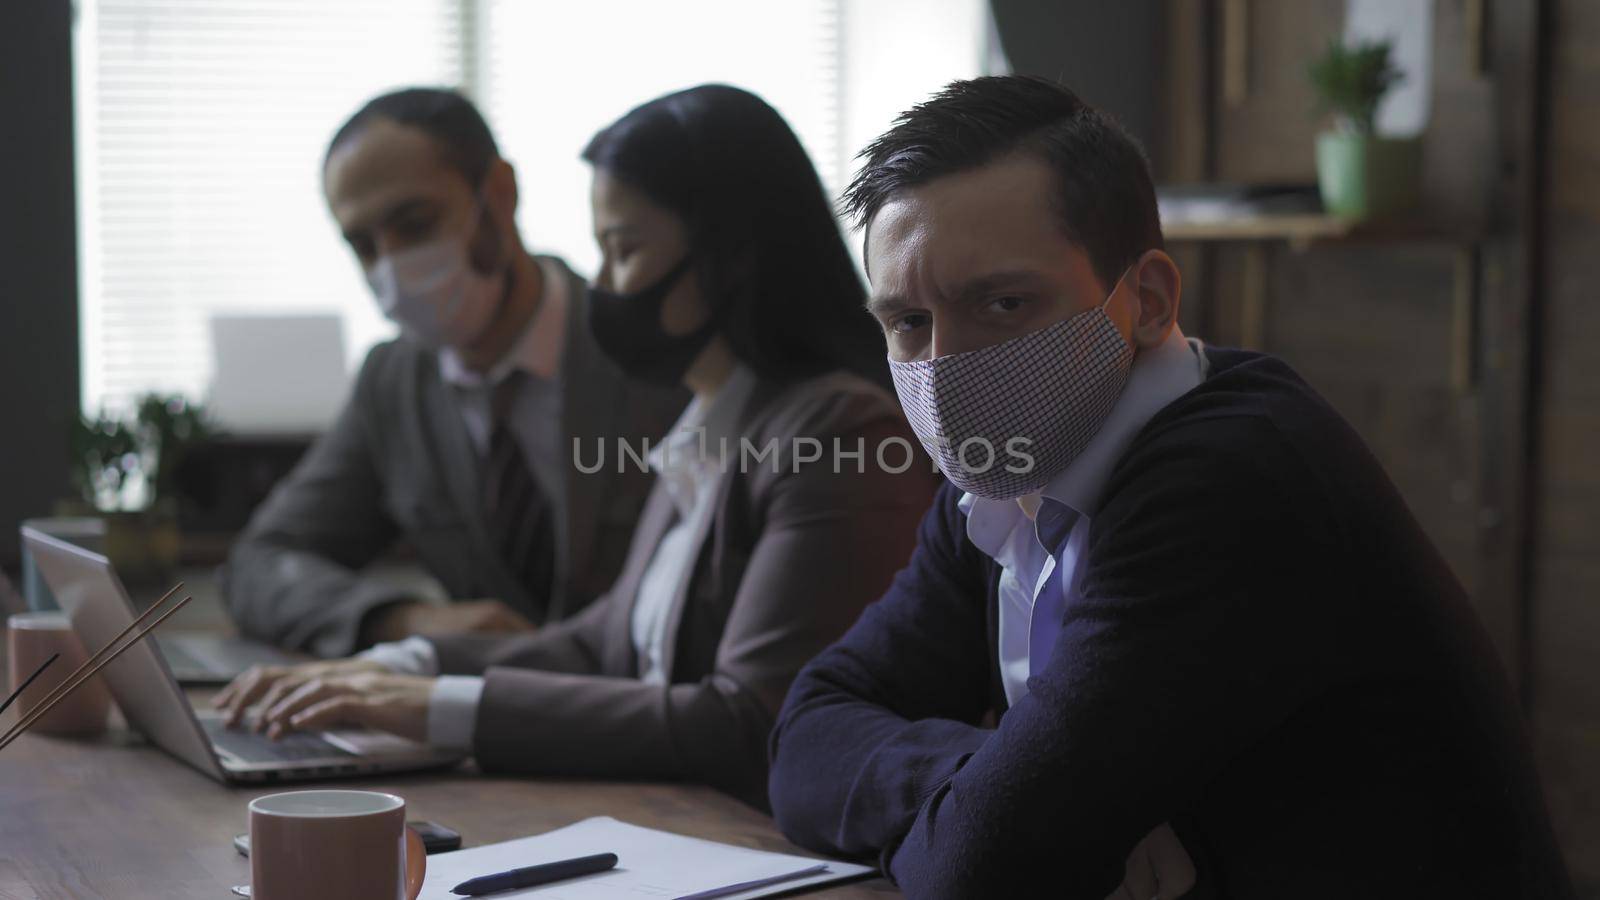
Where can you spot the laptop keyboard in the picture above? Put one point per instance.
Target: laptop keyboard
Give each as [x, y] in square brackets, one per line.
[251, 747]
[179, 657]
[215, 658]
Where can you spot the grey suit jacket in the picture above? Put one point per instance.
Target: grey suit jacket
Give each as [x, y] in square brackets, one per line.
[399, 463]
[782, 569]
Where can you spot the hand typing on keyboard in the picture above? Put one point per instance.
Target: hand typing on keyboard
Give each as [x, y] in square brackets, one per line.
[265, 686]
[317, 696]
[251, 747]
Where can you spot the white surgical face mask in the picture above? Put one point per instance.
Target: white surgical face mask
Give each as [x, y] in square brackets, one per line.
[434, 294]
[1004, 420]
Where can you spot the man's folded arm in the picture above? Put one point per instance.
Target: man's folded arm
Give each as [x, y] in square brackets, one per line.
[1171, 663]
[293, 578]
[1174, 659]
[891, 710]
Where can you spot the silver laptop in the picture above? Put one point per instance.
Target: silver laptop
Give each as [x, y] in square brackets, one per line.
[88, 589]
[213, 660]
[195, 659]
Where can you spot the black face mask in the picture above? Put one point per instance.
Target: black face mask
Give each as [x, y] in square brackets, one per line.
[628, 328]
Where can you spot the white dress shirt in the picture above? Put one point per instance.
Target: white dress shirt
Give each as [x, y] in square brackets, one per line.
[688, 462]
[1023, 535]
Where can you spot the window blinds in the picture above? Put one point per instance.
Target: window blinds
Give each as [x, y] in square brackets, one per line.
[201, 127]
[202, 123]
[552, 74]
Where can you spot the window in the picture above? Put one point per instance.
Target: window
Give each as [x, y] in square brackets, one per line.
[786, 52]
[201, 127]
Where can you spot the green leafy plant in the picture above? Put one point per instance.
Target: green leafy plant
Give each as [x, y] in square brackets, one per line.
[121, 461]
[105, 455]
[170, 425]
[1351, 80]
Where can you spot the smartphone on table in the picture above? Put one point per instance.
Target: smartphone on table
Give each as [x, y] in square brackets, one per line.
[435, 838]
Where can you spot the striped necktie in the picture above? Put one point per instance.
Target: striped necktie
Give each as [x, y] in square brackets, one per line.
[515, 509]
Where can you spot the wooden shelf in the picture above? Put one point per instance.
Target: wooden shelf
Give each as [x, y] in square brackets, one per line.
[1300, 230]
[1255, 232]
[1295, 228]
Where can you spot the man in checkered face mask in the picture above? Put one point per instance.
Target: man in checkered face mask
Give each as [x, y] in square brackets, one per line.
[1169, 630]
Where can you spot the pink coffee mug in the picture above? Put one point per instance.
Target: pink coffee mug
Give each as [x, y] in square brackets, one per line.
[31, 638]
[333, 845]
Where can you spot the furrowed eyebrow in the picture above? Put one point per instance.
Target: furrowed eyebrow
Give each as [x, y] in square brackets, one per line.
[885, 304]
[975, 289]
[970, 291]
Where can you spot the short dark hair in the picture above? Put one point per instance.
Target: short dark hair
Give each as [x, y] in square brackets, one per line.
[1104, 197]
[450, 119]
[765, 241]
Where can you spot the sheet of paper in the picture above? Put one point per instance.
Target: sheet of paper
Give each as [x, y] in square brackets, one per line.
[650, 864]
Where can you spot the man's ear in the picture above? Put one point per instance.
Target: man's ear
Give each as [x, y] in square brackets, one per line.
[500, 192]
[1159, 286]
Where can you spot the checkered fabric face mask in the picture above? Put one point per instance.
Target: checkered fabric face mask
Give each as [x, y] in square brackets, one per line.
[1004, 420]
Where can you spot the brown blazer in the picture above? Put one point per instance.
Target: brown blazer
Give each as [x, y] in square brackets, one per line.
[785, 565]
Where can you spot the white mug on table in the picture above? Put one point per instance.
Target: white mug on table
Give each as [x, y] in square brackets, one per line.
[333, 845]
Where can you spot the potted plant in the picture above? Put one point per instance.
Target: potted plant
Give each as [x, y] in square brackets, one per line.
[1361, 175]
[124, 470]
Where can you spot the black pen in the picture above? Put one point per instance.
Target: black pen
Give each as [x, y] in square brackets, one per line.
[533, 876]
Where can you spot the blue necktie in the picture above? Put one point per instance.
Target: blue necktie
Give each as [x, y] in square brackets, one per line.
[1054, 521]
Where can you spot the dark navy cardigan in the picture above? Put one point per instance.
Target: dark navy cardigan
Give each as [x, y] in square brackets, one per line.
[1268, 654]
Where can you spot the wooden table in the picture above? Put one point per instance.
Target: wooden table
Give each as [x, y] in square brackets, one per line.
[116, 818]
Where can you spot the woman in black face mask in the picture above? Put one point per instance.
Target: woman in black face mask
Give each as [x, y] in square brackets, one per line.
[718, 242]
[785, 499]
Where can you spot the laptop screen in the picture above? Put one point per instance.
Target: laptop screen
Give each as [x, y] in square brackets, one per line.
[88, 590]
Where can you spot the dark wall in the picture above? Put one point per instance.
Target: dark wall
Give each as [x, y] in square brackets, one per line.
[1107, 52]
[38, 262]
[1566, 561]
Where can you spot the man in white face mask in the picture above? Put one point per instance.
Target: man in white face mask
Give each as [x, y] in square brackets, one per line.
[458, 435]
[1169, 628]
